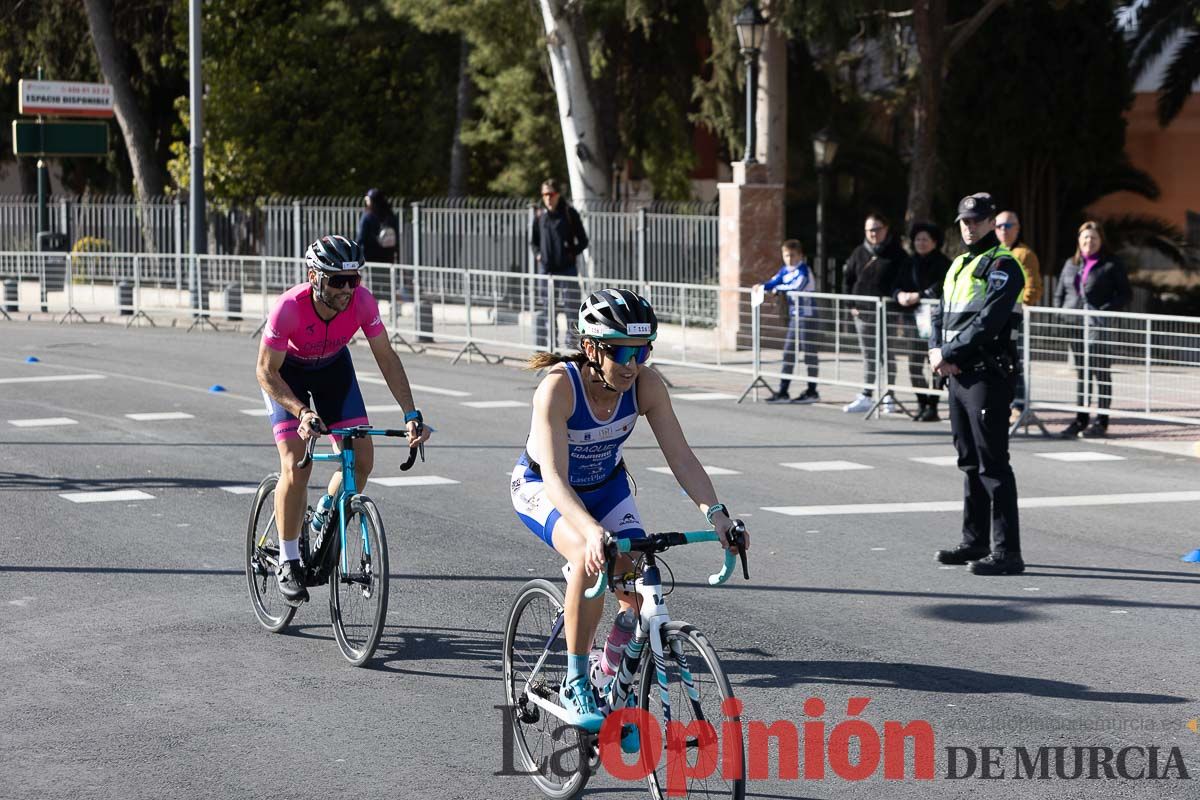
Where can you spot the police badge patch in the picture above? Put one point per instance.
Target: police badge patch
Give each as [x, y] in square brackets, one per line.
[997, 279]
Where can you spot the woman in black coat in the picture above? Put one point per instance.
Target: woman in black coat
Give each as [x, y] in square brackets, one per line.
[920, 278]
[1092, 279]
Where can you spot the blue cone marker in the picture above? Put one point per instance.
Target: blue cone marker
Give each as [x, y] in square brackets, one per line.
[1193, 556]
[32, 359]
[216, 387]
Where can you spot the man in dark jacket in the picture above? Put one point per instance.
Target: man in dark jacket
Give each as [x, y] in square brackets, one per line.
[557, 238]
[378, 229]
[871, 271]
[920, 279]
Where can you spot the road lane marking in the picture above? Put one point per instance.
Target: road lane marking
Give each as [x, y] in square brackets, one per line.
[937, 461]
[91, 376]
[155, 416]
[414, 480]
[106, 497]
[417, 387]
[1068, 501]
[704, 396]
[1081, 455]
[495, 404]
[240, 489]
[709, 470]
[42, 422]
[825, 466]
[254, 412]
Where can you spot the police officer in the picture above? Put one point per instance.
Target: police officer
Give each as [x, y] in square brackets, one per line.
[972, 345]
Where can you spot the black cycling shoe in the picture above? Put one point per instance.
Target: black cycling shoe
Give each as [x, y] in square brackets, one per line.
[960, 555]
[290, 577]
[998, 564]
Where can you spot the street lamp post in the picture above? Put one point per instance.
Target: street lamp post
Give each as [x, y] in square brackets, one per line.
[824, 150]
[750, 25]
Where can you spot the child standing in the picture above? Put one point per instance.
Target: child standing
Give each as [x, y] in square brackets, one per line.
[796, 276]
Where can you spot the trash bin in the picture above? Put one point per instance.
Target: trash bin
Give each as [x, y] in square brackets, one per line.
[125, 298]
[233, 301]
[11, 294]
[54, 268]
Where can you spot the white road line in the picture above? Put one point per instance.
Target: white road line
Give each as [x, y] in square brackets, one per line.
[155, 416]
[704, 396]
[417, 387]
[106, 497]
[240, 489]
[937, 461]
[825, 466]
[46, 378]
[1081, 455]
[414, 480]
[495, 404]
[708, 469]
[1068, 501]
[254, 412]
[42, 422]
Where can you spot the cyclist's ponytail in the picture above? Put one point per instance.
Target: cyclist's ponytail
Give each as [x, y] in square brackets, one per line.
[539, 361]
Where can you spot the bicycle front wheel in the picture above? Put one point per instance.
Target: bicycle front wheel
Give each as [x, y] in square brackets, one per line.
[556, 756]
[358, 585]
[696, 687]
[262, 558]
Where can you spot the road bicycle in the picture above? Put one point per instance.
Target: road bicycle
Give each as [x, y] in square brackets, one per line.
[680, 663]
[350, 553]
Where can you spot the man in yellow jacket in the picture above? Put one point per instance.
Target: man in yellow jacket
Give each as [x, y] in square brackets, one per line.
[1008, 231]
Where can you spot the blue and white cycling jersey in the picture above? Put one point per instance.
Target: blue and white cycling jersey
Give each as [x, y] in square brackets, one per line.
[594, 445]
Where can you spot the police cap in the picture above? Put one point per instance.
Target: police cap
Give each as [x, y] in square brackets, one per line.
[976, 206]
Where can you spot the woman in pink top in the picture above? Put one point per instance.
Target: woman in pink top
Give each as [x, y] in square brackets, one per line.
[303, 352]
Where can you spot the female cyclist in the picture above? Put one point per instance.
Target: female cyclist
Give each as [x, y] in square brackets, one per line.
[569, 486]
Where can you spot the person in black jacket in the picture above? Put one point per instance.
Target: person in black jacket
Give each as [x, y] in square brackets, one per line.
[870, 271]
[557, 239]
[1092, 279]
[378, 229]
[919, 279]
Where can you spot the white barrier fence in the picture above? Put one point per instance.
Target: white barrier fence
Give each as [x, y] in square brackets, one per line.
[1133, 365]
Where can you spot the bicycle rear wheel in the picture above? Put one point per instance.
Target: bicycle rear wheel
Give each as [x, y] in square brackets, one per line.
[558, 755]
[262, 557]
[358, 595]
[696, 688]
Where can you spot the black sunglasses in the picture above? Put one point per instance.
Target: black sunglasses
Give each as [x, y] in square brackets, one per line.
[343, 281]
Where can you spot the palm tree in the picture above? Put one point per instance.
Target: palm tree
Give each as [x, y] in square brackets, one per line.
[1160, 24]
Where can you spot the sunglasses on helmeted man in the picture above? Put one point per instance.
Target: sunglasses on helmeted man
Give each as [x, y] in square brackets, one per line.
[351, 280]
[624, 353]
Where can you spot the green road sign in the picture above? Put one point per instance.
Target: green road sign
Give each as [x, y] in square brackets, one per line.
[31, 138]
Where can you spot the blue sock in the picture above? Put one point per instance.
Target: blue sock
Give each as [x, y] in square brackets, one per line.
[577, 667]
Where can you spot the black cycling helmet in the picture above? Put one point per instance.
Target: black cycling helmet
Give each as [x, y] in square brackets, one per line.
[334, 254]
[617, 314]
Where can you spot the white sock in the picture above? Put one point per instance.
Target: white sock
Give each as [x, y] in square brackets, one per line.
[289, 549]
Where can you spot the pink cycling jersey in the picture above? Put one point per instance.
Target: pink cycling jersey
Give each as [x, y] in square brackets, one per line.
[295, 328]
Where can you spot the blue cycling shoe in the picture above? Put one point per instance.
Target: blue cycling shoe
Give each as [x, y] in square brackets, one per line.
[578, 700]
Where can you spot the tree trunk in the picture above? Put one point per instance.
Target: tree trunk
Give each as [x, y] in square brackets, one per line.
[772, 105]
[462, 109]
[148, 176]
[929, 23]
[587, 163]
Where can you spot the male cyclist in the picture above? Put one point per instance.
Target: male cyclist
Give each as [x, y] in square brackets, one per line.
[304, 352]
[569, 486]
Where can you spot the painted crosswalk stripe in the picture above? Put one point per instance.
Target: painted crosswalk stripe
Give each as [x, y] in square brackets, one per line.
[243, 489]
[1068, 501]
[704, 396]
[495, 404]
[708, 469]
[91, 376]
[937, 461]
[106, 497]
[1081, 455]
[155, 416]
[414, 480]
[254, 412]
[417, 387]
[42, 422]
[826, 466]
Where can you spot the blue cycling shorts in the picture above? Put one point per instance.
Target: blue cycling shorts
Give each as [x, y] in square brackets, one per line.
[612, 505]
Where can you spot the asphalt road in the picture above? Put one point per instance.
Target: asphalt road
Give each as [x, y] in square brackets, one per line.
[133, 666]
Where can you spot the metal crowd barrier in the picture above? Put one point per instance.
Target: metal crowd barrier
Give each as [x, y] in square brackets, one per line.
[1131, 365]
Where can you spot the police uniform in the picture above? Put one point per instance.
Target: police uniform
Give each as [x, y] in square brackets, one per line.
[973, 326]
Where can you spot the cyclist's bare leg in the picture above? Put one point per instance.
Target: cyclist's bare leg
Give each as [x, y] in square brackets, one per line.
[291, 495]
[581, 615]
[364, 462]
